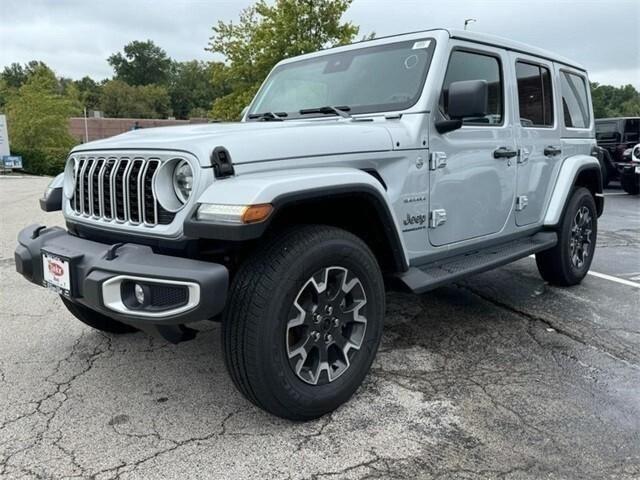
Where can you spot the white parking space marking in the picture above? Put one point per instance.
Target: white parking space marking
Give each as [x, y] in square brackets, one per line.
[615, 279]
[622, 281]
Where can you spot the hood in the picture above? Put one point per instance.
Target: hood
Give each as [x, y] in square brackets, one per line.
[256, 141]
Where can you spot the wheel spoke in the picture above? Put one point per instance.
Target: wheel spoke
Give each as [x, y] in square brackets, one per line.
[581, 233]
[327, 321]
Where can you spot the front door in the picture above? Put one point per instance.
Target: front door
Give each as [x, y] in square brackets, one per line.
[475, 188]
[538, 135]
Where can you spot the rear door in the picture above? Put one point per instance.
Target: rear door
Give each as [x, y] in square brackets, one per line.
[474, 190]
[538, 136]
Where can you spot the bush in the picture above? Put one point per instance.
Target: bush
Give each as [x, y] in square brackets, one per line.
[43, 161]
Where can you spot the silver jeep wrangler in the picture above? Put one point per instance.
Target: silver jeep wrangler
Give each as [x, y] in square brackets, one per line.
[420, 158]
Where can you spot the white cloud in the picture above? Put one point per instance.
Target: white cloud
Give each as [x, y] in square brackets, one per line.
[75, 37]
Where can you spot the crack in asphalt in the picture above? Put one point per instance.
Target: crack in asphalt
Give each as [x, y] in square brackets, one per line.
[367, 463]
[60, 388]
[130, 467]
[550, 324]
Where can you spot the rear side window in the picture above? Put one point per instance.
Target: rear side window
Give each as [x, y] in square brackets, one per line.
[535, 96]
[632, 130]
[465, 65]
[574, 100]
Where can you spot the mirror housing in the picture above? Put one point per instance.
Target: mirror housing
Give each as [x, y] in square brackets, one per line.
[466, 99]
[52, 199]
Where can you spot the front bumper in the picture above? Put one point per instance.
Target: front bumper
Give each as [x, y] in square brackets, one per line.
[96, 266]
[632, 168]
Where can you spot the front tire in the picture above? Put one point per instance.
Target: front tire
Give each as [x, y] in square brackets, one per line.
[569, 261]
[304, 321]
[97, 320]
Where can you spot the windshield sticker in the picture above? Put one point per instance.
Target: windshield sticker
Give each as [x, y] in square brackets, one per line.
[421, 44]
[411, 61]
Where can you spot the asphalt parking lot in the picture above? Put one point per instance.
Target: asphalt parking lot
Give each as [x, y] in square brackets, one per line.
[501, 376]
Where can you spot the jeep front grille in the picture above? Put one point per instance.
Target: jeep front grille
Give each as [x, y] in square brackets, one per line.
[118, 189]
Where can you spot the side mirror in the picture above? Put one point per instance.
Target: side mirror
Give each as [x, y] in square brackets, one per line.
[52, 199]
[466, 99]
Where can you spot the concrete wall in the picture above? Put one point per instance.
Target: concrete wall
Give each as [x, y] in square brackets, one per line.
[108, 127]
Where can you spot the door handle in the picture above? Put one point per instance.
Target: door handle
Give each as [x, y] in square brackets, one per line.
[504, 152]
[552, 151]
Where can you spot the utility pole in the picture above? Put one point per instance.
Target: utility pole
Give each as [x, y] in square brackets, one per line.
[467, 21]
[86, 127]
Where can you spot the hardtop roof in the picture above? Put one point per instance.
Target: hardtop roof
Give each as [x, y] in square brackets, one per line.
[475, 37]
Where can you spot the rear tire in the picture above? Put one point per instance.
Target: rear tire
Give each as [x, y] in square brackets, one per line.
[97, 320]
[303, 321]
[569, 261]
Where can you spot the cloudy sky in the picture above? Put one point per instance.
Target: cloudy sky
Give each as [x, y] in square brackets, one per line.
[75, 37]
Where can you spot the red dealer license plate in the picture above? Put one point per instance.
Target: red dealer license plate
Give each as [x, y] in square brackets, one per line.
[57, 274]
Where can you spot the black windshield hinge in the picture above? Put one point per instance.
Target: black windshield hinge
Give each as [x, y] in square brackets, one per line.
[221, 163]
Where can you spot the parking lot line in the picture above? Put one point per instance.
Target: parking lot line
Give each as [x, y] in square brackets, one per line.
[614, 279]
[622, 281]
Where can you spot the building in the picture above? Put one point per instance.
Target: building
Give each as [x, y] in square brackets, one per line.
[98, 127]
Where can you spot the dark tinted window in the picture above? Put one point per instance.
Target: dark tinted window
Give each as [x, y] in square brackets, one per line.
[474, 66]
[574, 100]
[534, 95]
[607, 131]
[632, 130]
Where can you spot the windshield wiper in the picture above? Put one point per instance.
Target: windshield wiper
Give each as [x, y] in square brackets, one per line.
[268, 116]
[341, 110]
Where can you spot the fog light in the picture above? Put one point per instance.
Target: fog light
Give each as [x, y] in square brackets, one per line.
[139, 293]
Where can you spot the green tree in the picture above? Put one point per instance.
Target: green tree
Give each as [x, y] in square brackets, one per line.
[89, 91]
[265, 34]
[5, 93]
[119, 99]
[609, 101]
[143, 63]
[14, 75]
[38, 121]
[190, 87]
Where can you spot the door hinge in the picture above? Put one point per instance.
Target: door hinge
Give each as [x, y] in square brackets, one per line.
[523, 156]
[437, 217]
[437, 160]
[521, 203]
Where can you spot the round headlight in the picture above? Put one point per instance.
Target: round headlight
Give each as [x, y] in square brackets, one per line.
[70, 178]
[183, 180]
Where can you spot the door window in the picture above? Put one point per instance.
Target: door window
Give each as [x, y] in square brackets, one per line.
[465, 65]
[535, 96]
[574, 100]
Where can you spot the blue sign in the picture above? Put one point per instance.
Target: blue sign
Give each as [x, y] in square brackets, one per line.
[12, 161]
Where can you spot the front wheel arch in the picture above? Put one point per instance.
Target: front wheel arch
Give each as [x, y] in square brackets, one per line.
[358, 209]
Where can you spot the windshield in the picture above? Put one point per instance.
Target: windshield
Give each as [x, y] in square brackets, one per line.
[365, 80]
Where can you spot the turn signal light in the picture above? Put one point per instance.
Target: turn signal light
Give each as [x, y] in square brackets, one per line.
[233, 214]
[256, 213]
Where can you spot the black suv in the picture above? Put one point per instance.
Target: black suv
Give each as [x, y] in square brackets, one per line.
[615, 136]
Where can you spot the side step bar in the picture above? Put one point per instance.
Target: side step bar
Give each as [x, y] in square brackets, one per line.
[435, 274]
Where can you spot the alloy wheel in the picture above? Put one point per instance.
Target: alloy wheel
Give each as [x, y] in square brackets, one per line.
[327, 325]
[580, 246]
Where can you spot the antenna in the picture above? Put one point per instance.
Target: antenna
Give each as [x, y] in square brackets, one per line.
[467, 21]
